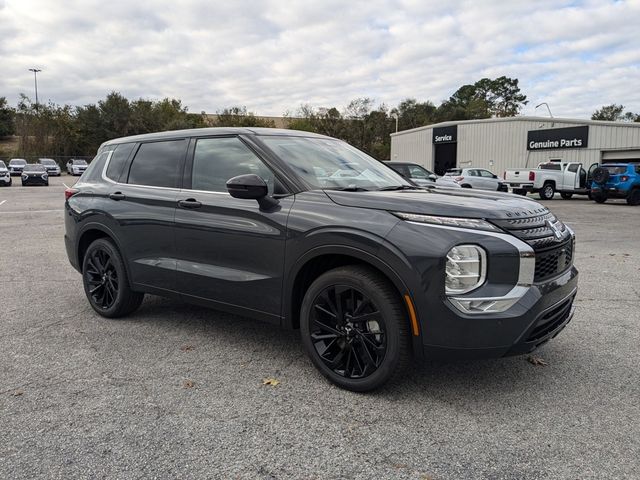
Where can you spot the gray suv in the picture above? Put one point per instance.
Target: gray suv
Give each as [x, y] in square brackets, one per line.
[306, 232]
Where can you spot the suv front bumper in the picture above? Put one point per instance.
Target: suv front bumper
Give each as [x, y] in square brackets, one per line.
[538, 317]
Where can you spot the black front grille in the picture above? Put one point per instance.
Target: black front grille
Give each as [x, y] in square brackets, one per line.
[553, 261]
[553, 255]
[550, 321]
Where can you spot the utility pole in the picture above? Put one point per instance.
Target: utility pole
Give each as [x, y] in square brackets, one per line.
[35, 81]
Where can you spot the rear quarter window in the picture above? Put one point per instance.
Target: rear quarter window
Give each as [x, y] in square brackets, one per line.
[118, 159]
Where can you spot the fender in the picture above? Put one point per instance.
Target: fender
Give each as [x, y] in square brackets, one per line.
[382, 258]
[106, 230]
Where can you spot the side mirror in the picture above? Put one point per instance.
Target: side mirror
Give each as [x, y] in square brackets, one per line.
[495, 176]
[251, 186]
[433, 177]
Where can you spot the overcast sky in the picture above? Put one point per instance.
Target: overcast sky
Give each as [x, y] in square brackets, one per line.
[272, 56]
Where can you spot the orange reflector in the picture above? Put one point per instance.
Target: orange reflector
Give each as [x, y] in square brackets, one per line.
[412, 316]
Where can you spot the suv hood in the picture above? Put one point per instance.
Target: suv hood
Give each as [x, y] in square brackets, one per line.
[446, 202]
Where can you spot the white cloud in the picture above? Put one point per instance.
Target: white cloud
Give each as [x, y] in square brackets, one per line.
[273, 55]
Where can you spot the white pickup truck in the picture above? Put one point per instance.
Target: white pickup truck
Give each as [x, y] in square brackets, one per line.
[567, 178]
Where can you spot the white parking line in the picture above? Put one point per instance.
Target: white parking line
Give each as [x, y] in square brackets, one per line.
[30, 211]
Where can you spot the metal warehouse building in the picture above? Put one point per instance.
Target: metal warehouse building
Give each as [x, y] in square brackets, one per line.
[500, 143]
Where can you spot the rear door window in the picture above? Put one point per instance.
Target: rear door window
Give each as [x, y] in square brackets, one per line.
[157, 164]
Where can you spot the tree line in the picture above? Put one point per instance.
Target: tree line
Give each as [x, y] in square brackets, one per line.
[62, 130]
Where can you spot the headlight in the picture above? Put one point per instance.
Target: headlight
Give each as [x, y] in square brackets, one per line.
[466, 269]
[472, 223]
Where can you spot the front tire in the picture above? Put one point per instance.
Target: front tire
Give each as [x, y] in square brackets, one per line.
[105, 281]
[547, 191]
[354, 328]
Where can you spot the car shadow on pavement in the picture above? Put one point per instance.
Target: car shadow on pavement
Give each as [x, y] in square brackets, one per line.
[461, 381]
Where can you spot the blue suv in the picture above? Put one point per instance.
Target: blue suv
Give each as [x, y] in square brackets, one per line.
[617, 180]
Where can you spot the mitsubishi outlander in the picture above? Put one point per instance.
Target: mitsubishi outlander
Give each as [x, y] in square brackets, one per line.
[306, 232]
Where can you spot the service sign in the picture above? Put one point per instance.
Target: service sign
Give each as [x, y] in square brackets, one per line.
[445, 134]
[558, 138]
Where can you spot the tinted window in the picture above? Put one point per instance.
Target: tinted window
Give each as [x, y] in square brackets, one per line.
[550, 166]
[418, 172]
[157, 164]
[118, 159]
[216, 160]
[401, 169]
[573, 167]
[94, 170]
[615, 170]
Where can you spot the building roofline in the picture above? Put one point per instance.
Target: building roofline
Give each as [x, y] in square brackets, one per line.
[577, 121]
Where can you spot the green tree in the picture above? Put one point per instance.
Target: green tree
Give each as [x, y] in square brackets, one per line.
[615, 113]
[413, 114]
[485, 98]
[239, 117]
[7, 125]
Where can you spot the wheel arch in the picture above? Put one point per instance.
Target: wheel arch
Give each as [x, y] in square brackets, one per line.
[322, 259]
[90, 233]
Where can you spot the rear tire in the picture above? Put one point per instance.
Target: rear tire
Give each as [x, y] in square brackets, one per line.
[566, 196]
[547, 191]
[633, 198]
[354, 353]
[599, 197]
[105, 280]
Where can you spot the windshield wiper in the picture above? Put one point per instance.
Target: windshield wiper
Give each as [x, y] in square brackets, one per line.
[398, 187]
[350, 188]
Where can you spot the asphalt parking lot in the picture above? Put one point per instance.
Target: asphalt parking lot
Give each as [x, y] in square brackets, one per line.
[176, 391]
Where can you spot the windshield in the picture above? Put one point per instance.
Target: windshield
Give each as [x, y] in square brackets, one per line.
[2, 165]
[34, 168]
[333, 164]
[17, 161]
[79, 162]
[47, 161]
[615, 169]
[454, 172]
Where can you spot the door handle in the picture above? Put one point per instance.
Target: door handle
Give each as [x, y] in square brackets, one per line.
[117, 196]
[189, 203]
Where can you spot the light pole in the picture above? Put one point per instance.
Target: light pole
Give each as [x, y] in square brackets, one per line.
[395, 115]
[35, 81]
[548, 110]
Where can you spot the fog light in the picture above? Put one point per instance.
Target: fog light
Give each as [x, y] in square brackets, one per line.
[465, 270]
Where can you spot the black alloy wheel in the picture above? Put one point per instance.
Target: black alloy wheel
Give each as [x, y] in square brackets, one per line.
[354, 328]
[105, 281]
[102, 278]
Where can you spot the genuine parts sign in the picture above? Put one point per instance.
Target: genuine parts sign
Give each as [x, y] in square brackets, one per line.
[556, 138]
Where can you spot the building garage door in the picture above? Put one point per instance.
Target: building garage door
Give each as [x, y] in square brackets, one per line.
[621, 156]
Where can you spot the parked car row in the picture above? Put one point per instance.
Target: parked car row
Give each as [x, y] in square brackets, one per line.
[75, 166]
[477, 178]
